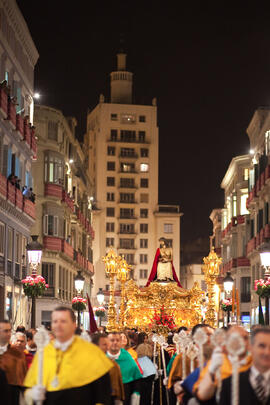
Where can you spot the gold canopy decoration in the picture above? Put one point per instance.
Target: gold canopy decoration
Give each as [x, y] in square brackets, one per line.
[141, 304]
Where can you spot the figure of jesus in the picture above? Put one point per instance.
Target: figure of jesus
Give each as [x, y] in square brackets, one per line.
[164, 267]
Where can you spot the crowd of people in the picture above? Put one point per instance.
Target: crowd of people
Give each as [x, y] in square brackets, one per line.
[128, 368]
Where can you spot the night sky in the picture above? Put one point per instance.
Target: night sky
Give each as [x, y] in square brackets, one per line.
[208, 64]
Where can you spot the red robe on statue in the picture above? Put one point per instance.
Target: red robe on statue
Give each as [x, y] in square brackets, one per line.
[153, 274]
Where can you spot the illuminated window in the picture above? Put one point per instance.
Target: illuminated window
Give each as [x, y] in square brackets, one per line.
[144, 167]
[128, 118]
[114, 117]
[246, 174]
[234, 207]
[243, 207]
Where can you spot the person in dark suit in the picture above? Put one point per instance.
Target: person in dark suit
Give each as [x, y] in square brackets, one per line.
[254, 384]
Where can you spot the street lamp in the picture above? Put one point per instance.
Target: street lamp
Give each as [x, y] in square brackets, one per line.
[79, 283]
[34, 252]
[265, 261]
[228, 282]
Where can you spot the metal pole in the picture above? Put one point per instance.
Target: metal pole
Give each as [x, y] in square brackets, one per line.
[266, 310]
[79, 318]
[33, 313]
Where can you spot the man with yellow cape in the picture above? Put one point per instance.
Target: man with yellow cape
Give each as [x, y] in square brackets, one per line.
[74, 371]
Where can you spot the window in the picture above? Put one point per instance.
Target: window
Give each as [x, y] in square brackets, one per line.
[143, 243]
[168, 228]
[10, 244]
[144, 167]
[113, 117]
[126, 243]
[144, 183]
[234, 206]
[143, 273]
[110, 212]
[243, 204]
[110, 181]
[110, 227]
[128, 136]
[130, 152]
[144, 213]
[113, 134]
[129, 183]
[128, 118]
[127, 228]
[110, 165]
[170, 243]
[18, 248]
[111, 151]
[144, 198]
[128, 167]
[54, 169]
[141, 136]
[126, 213]
[246, 174]
[129, 258]
[127, 197]
[48, 272]
[144, 152]
[245, 289]
[2, 239]
[143, 258]
[50, 225]
[131, 274]
[110, 196]
[144, 228]
[109, 242]
[141, 118]
[52, 130]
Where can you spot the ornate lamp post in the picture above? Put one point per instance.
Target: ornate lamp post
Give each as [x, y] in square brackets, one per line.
[122, 276]
[228, 282]
[79, 283]
[111, 261]
[211, 272]
[265, 261]
[34, 252]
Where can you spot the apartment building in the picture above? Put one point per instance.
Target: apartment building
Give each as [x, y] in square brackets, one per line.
[234, 229]
[259, 195]
[64, 210]
[18, 56]
[122, 142]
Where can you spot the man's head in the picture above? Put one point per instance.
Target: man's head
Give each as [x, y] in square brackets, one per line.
[5, 332]
[20, 341]
[162, 242]
[114, 342]
[63, 323]
[260, 348]
[101, 340]
[30, 340]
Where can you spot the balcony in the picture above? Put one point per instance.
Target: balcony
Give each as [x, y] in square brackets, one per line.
[67, 249]
[52, 243]
[127, 202]
[168, 209]
[127, 186]
[19, 125]
[126, 247]
[67, 200]
[123, 216]
[3, 102]
[13, 195]
[11, 115]
[128, 155]
[49, 292]
[127, 232]
[53, 190]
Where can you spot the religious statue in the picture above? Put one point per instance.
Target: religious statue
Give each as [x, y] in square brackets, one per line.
[162, 269]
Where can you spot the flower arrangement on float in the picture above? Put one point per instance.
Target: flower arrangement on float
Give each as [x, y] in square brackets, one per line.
[79, 304]
[162, 322]
[262, 287]
[34, 286]
[226, 305]
[99, 312]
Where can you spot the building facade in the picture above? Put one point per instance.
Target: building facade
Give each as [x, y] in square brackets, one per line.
[63, 206]
[259, 196]
[231, 233]
[18, 56]
[122, 142]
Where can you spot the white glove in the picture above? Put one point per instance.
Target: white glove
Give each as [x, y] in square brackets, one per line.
[177, 387]
[216, 360]
[38, 392]
[165, 381]
[135, 399]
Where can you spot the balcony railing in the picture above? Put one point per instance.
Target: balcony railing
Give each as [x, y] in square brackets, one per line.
[67, 200]
[3, 102]
[170, 209]
[67, 249]
[53, 190]
[128, 155]
[49, 292]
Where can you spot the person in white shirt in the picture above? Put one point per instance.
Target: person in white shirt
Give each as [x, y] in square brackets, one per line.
[254, 384]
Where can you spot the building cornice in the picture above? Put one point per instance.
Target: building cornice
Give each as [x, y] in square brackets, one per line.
[232, 169]
[21, 28]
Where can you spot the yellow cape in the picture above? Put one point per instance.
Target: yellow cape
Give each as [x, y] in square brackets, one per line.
[176, 370]
[81, 364]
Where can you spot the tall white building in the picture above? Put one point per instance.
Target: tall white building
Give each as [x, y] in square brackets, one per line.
[122, 140]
